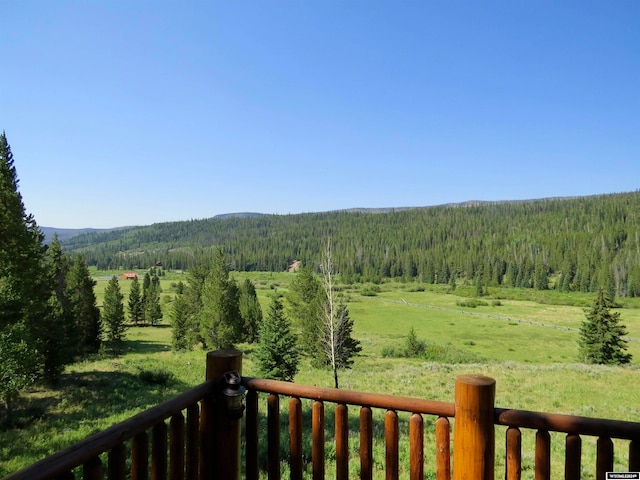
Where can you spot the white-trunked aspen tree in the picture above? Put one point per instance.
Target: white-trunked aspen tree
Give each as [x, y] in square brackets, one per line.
[339, 347]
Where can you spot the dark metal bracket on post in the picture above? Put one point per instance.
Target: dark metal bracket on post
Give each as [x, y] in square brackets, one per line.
[234, 393]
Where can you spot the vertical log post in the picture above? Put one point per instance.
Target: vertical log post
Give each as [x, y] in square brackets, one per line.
[223, 459]
[474, 431]
[443, 449]
[366, 443]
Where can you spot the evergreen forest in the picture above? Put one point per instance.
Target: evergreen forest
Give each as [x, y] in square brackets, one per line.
[571, 244]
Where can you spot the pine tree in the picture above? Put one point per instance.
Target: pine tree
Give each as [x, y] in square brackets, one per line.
[305, 299]
[277, 353]
[220, 321]
[84, 308]
[151, 299]
[601, 334]
[541, 280]
[193, 299]
[250, 311]
[61, 332]
[136, 307]
[180, 324]
[25, 287]
[113, 315]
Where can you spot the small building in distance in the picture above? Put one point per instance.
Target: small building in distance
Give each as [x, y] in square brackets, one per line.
[128, 276]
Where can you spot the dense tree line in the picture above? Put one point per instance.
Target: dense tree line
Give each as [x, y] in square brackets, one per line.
[212, 309]
[580, 243]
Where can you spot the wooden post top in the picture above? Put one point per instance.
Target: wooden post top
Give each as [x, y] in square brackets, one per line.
[475, 380]
[221, 361]
[224, 353]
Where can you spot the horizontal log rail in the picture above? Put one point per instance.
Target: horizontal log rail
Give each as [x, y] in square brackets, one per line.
[542, 423]
[84, 452]
[362, 399]
[207, 445]
[570, 424]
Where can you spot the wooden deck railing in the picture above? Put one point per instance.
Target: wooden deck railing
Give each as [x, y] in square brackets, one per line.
[207, 444]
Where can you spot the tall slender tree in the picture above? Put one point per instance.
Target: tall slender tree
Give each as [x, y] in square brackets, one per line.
[338, 344]
[250, 311]
[25, 286]
[305, 299]
[113, 315]
[220, 320]
[84, 307]
[151, 299]
[60, 336]
[180, 328]
[136, 307]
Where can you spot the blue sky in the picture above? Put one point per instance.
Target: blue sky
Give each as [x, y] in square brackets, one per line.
[136, 112]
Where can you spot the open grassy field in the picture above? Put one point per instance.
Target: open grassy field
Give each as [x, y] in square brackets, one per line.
[528, 347]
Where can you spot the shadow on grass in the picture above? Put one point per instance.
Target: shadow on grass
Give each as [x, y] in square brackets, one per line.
[144, 346]
[48, 420]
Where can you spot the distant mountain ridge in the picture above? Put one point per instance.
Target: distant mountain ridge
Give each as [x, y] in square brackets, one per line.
[66, 233]
[572, 243]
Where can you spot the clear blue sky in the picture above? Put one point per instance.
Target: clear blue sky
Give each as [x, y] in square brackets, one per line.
[135, 112]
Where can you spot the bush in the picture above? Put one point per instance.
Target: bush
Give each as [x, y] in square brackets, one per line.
[414, 347]
[156, 376]
[390, 352]
[367, 292]
[472, 303]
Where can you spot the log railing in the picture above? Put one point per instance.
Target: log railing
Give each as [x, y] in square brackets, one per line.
[475, 418]
[132, 436]
[192, 437]
[187, 437]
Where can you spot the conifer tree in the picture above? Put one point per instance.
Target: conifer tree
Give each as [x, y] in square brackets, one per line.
[193, 300]
[136, 309]
[84, 308]
[25, 286]
[250, 311]
[151, 299]
[181, 338]
[277, 353]
[113, 315]
[61, 335]
[220, 321]
[602, 335]
[305, 299]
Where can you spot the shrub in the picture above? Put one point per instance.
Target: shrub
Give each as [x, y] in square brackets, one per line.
[472, 303]
[156, 376]
[368, 292]
[414, 347]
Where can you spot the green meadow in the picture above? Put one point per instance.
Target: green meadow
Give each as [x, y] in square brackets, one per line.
[526, 340]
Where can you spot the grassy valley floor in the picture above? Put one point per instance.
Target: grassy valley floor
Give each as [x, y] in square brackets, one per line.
[528, 347]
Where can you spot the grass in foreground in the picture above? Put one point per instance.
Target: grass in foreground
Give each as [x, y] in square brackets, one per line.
[527, 346]
[96, 394]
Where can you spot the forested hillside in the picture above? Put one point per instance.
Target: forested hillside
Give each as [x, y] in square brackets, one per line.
[571, 244]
